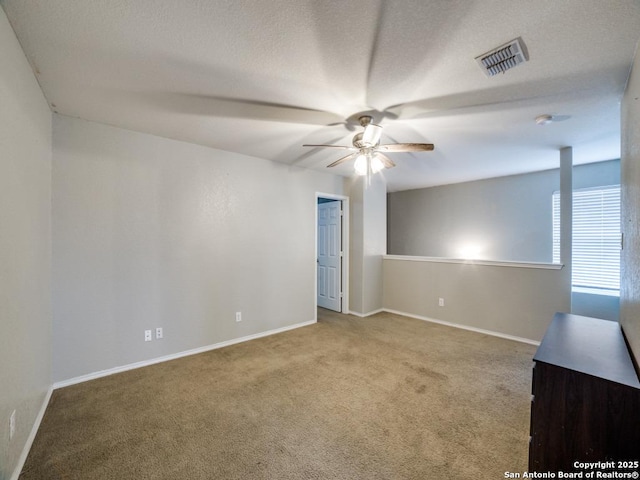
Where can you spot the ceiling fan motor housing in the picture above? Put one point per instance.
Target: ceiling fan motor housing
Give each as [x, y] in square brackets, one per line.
[368, 151]
[365, 120]
[357, 140]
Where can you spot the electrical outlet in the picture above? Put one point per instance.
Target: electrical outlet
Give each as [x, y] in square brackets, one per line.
[441, 302]
[238, 316]
[147, 336]
[12, 424]
[159, 332]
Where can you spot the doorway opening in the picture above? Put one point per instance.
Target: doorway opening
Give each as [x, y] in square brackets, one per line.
[332, 262]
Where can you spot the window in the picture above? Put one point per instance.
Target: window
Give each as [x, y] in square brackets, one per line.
[596, 237]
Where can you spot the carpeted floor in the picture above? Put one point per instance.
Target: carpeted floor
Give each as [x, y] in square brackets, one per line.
[384, 397]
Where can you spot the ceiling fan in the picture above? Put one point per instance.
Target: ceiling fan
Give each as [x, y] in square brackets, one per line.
[369, 154]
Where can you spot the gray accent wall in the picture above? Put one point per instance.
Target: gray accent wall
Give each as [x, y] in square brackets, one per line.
[606, 307]
[151, 232]
[25, 248]
[514, 301]
[630, 275]
[596, 174]
[509, 217]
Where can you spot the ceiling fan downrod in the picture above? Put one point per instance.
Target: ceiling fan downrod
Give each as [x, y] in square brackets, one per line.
[365, 120]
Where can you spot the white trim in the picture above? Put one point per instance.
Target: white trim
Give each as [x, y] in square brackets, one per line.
[345, 251]
[596, 291]
[491, 263]
[465, 327]
[32, 436]
[166, 358]
[368, 314]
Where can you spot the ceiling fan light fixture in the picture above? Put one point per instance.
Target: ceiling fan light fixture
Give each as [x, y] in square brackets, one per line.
[376, 164]
[368, 154]
[360, 165]
[367, 163]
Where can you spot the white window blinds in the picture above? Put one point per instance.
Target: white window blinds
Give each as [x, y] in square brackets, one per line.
[596, 237]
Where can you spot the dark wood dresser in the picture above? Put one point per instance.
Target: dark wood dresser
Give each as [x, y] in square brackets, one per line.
[586, 396]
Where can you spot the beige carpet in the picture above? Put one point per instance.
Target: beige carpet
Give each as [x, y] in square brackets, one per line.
[385, 397]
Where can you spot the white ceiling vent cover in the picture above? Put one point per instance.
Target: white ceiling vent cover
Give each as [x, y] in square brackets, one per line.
[501, 59]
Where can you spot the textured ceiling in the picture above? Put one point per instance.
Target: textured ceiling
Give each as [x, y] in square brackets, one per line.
[263, 77]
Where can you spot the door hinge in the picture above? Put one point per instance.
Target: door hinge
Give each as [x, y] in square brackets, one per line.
[340, 294]
[341, 253]
[341, 212]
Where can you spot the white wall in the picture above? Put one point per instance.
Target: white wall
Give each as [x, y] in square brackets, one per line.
[150, 232]
[25, 248]
[630, 275]
[368, 243]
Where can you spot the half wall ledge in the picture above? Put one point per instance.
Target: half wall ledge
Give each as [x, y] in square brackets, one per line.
[492, 263]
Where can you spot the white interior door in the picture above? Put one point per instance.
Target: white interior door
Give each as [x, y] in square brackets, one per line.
[330, 255]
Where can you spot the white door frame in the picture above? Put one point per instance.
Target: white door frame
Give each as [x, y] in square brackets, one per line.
[345, 252]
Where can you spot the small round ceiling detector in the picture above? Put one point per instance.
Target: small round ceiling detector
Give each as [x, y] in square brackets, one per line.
[545, 119]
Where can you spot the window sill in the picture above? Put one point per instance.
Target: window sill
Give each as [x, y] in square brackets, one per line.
[596, 291]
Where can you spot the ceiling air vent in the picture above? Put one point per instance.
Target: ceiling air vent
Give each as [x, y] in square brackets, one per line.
[501, 59]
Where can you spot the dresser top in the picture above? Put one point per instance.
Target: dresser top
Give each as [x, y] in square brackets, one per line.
[588, 345]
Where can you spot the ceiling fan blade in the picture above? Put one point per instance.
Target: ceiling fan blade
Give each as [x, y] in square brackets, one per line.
[343, 159]
[405, 147]
[343, 147]
[347, 125]
[386, 161]
[372, 134]
[243, 108]
[498, 100]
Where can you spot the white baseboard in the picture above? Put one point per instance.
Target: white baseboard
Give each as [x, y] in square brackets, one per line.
[166, 358]
[465, 327]
[368, 314]
[32, 435]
